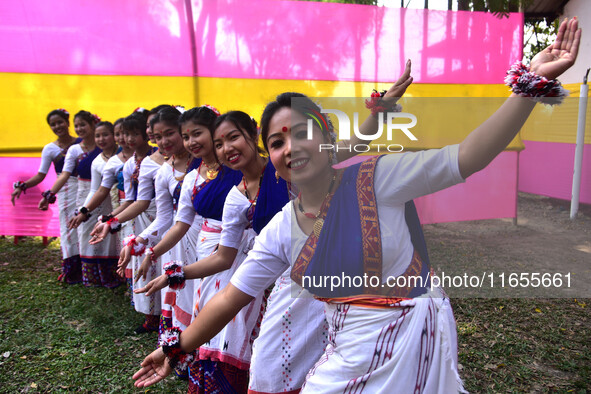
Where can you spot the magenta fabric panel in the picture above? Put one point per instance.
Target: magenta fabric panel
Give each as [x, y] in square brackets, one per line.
[488, 194]
[546, 168]
[25, 218]
[106, 37]
[266, 39]
[325, 41]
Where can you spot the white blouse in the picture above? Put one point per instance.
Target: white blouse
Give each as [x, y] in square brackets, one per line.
[49, 153]
[110, 171]
[71, 157]
[165, 184]
[398, 179]
[96, 171]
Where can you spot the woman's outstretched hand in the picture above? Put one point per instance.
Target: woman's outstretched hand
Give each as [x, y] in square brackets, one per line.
[154, 368]
[397, 90]
[561, 54]
[99, 233]
[16, 193]
[154, 285]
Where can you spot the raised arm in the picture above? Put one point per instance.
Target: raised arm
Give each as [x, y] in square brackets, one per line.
[489, 139]
[370, 125]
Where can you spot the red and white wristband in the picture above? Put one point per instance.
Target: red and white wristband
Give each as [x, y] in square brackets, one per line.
[170, 340]
[176, 275]
[114, 225]
[526, 83]
[137, 249]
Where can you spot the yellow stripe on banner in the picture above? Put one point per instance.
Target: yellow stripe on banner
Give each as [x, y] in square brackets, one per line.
[558, 123]
[29, 97]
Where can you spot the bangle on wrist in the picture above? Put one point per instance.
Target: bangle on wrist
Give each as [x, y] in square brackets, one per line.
[176, 275]
[170, 340]
[114, 225]
[49, 196]
[20, 185]
[137, 249]
[377, 105]
[526, 83]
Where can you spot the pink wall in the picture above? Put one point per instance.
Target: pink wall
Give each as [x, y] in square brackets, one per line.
[328, 41]
[488, 194]
[267, 39]
[25, 218]
[546, 168]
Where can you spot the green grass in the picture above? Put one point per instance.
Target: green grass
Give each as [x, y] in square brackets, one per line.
[70, 338]
[61, 338]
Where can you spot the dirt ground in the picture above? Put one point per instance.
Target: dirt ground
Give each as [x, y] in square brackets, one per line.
[545, 240]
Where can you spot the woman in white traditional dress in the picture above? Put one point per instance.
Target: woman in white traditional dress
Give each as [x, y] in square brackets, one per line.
[78, 162]
[381, 339]
[259, 195]
[55, 152]
[184, 237]
[139, 208]
[168, 182]
[103, 270]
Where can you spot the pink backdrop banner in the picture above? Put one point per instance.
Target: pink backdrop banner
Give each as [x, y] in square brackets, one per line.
[546, 168]
[328, 41]
[106, 37]
[256, 39]
[25, 218]
[488, 194]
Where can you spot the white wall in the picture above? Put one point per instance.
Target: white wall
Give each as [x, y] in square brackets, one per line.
[582, 10]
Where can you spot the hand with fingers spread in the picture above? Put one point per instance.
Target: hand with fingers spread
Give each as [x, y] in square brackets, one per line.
[397, 90]
[153, 286]
[560, 55]
[155, 367]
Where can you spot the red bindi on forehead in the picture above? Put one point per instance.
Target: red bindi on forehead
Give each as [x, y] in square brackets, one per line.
[284, 129]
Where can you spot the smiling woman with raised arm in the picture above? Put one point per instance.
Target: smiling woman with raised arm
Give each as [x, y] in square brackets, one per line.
[379, 339]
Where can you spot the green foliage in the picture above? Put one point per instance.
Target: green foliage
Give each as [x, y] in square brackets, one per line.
[63, 338]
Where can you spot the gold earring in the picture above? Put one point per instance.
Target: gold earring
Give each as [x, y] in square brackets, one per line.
[277, 176]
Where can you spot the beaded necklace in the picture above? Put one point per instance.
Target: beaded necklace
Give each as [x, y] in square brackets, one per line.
[253, 201]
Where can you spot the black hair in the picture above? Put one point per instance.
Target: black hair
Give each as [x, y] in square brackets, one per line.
[303, 104]
[168, 115]
[158, 108]
[136, 122]
[203, 116]
[87, 117]
[118, 121]
[243, 122]
[106, 124]
[62, 113]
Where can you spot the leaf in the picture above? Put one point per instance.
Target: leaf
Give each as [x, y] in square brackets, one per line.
[538, 310]
[34, 385]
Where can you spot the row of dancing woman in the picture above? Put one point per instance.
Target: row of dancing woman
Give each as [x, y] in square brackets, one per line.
[218, 236]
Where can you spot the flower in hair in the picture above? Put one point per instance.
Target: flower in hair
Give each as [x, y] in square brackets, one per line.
[180, 108]
[96, 118]
[214, 109]
[141, 110]
[64, 111]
